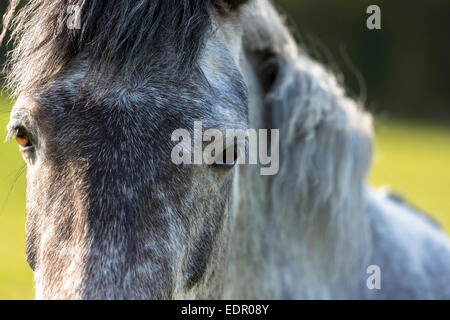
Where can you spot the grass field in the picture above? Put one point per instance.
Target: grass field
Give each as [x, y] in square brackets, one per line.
[16, 279]
[412, 158]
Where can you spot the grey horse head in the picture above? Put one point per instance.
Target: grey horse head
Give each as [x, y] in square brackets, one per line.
[103, 85]
[108, 213]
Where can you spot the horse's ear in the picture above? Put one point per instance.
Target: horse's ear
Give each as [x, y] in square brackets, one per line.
[234, 4]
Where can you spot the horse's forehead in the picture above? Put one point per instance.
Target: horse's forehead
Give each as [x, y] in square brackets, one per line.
[215, 94]
[176, 107]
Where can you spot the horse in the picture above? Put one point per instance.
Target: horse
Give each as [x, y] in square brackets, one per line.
[110, 216]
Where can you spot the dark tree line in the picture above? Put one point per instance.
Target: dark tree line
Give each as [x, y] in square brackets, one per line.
[405, 65]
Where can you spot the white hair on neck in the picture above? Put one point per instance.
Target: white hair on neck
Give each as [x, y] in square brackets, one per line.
[326, 153]
[313, 209]
[312, 230]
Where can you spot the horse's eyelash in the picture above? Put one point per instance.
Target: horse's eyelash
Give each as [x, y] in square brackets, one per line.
[15, 131]
[10, 135]
[20, 133]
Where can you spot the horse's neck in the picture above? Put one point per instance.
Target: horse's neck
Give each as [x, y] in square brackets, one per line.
[300, 233]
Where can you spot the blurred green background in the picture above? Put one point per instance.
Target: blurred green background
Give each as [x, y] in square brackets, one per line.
[402, 72]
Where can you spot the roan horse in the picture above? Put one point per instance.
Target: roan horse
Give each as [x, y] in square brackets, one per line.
[109, 216]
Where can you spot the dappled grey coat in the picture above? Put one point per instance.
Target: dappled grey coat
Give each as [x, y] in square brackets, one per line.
[110, 216]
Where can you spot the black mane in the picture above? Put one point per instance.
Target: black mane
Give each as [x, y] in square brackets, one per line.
[117, 34]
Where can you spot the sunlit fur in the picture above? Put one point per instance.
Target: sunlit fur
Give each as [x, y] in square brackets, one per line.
[116, 220]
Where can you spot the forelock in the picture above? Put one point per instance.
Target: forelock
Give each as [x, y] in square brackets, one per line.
[118, 37]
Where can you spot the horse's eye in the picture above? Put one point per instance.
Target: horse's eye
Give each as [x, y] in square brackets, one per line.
[23, 139]
[229, 158]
